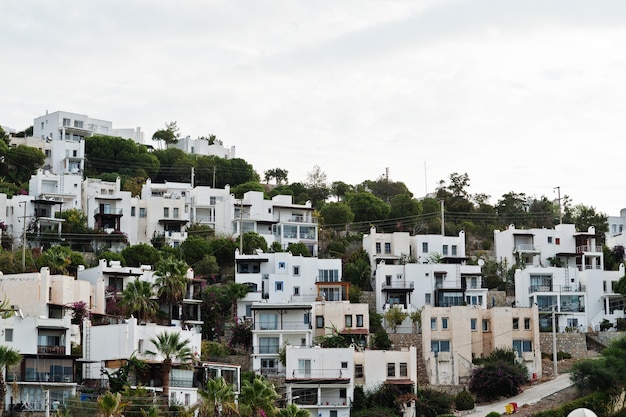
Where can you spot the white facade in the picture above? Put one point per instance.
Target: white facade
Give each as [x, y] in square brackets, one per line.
[62, 189]
[283, 278]
[320, 381]
[202, 147]
[62, 156]
[203, 202]
[562, 245]
[107, 207]
[62, 125]
[399, 247]
[616, 236]
[412, 286]
[110, 344]
[276, 220]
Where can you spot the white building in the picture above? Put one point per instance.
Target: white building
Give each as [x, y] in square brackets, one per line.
[62, 156]
[62, 125]
[412, 286]
[320, 381]
[109, 346]
[276, 220]
[615, 236]
[41, 330]
[202, 147]
[280, 277]
[203, 202]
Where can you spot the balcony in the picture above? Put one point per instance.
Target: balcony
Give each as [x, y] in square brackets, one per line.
[399, 286]
[104, 211]
[340, 374]
[556, 288]
[50, 350]
[588, 248]
[525, 247]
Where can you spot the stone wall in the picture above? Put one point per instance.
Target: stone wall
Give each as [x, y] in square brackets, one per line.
[369, 297]
[573, 343]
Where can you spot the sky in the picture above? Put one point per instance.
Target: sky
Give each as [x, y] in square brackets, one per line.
[523, 96]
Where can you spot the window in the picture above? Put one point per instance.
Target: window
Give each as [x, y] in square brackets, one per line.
[526, 324]
[268, 345]
[444, 323]
[8, 335]
[307, 318]
[132, 211]
[142, 212]
[515, 323]
[268, 321]
[404, 371]
[296, 271]
[333, 413]
[473, 324]
[454, 250]
[248, 310]
[166, 212]
[282, 265]
[485, 325]
[387, 247]
[391, 369]
[359, 320]
[343, 393]
[378, 247]
[424, 247]
[278, 285]
[140, 345]
[358, 371]
[348, 320]
[433, 324]
[549, 239]
[304, 367]
[328, 275]
[78, 124]
[427, 298]
[439, 346]
[175, 212]
[319, 322]
[66, 122]
[522, 346]
[296, 290]
[344, 365]
[572, 323]
[557, 241]
[268, 364]
[445, 250]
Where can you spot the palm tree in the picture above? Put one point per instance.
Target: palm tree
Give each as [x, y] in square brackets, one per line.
[257, 398]
[235, 292]
[218, 399]
[137, 299]
[171, 282]
[8, 358]
[171, 347]
[293, 410]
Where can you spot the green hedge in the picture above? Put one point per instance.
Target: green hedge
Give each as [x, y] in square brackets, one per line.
[598, 402]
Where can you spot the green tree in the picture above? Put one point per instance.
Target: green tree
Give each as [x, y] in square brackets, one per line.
[194, 249]
[340, 189]
[512, 209]
[218, 399]
[336, 216]
[385, 189]
[317, 186]
[404, 210]
[141, 254]
[124, 157]
[175, 165]
[293, 410]
[8, 358]
[170, 347]
[394, 317]
[357, 270]
[207, 268]
[499, 376]
[57, 258]
[20, 162]
[223, 248]
[298, 249]
[367, 208]
[111, 405]
[171, 283]
[279, 174]
[252, 241]
[169, 135]
[257, 398]
[137, 299]
[585, 216]
[235, 292]
[239, 190]
[416, 319]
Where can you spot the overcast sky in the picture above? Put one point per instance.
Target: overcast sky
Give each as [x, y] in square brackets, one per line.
[524, 96]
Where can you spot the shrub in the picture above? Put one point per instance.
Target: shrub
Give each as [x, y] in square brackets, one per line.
[493, 414]
[464, 400]
[433, 403]
[497, 379]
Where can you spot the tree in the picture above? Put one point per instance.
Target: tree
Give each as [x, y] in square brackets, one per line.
[20, 162]
[336, 216]
[340, 189]
[586, 216]
[416, 319]
[169, 135]
[357, 270]
[500, 376]
[239, 190]
[298, 249]
[257, 398]
[279, 174]
[123, 157]
[253, 241]
[385, 189]
[171, 283]
[394, 317]
[218, 399]
[141, 254]
[223, 248]
[293, 410]
[8, 358]
[111, 404]
[367, 208]
[235, 292]
[57, 258]
[404, 210]
[137, 300]
[170, 346]
[194, 248]
[317, 186]
[512, 209]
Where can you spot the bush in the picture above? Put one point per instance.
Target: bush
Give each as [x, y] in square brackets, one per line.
[433, 403]
[598, 402]
[497, 379]
[464, 400]
[493, 414]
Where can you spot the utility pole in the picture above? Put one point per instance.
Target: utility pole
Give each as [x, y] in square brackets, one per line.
[193, 176]
[213, 176]
[387, 180]
[558, 189]
[443, 225]
[23, 237]
[554, 353]
[241, 226]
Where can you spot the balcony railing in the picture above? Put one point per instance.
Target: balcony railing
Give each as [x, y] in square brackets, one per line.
[97, 211]
[399, 285]
[318, 373]
[556, 288]
[525, 248]
[50, 350]
[587, 267]
[588, 248]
